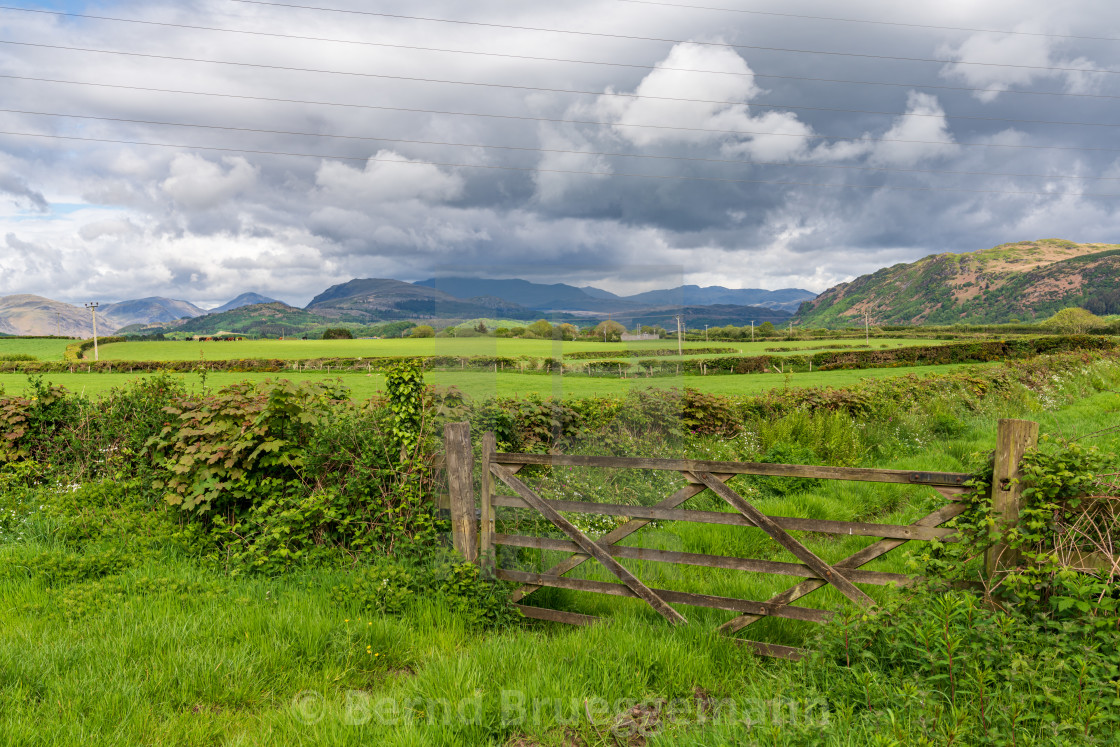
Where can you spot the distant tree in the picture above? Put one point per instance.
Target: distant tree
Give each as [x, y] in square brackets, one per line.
[609, 330]
[565, 331]
[502, 332]
[337, 333]
[1073, 321]
[422, 330]
[516, 331]
[540, 328]
[481, 327]
[766, 329]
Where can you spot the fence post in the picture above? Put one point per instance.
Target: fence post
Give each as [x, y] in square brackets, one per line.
[486, 534]
[1013, 438]
[460, 485]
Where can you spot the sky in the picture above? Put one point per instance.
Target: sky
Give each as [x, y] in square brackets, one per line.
[624, 144]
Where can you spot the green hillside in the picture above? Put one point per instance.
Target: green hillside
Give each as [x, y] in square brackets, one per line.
[1025, 280]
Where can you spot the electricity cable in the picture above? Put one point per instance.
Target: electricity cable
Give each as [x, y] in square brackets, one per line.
[660, 177]
[512, 86]
[644, 156]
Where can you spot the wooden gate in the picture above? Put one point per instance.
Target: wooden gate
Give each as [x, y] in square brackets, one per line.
[701, 476]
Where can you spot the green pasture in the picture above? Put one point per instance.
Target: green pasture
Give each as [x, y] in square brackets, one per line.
[468, 346]
[486, 384]
[172, 650]
[44, 350]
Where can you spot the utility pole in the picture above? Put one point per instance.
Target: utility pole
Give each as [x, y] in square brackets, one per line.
[679, 350]
[705, 333]
[867, 326]
[92, 306]
[791, 329]
[752, 330]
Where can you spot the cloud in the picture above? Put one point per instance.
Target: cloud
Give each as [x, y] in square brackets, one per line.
[387, 177]
[199, 184]
[921, 134]
[15, 186]
[1013, 61]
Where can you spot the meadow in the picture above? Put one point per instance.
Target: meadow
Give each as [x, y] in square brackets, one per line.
[480, 385]
[42, 349]
[513, 347]
[122, 622]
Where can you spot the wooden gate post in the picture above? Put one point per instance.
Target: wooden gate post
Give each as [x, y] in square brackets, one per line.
[460, 486]
[1013, 439]
[486, 535]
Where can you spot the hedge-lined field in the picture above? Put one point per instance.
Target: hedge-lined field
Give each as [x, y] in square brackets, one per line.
[480, 385]
[307, 608]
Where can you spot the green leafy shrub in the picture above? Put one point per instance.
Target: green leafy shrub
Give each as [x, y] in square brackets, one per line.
[388, 586]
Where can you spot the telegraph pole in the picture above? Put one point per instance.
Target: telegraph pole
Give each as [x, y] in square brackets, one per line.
[867, 326]
[92, 306]
[679, 351]
[705, 333]
[752, 330]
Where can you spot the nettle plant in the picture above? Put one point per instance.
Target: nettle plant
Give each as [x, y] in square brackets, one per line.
[220, 449]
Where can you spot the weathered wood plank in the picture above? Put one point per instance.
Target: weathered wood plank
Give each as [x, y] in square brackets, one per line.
[863, 557]
[1013, 439]
[460, 486]
[617, 534]
[790, 524]
[807, 614]
[786, 540]
[774, 650]
[859, 474]
[641, 590]
[708, 561]
[543, 613]
[486, 504]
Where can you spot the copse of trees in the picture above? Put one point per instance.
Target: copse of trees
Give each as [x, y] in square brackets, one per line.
[337, 333]
[610, 331]
[423, 330]
[1073, 321]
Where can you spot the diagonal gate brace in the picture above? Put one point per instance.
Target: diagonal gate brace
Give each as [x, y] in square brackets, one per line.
[864, 556]
[785, 539]
[589, 546]
[616, 535]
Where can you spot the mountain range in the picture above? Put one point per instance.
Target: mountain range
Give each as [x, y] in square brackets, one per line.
[372, 300]
[1025, 280]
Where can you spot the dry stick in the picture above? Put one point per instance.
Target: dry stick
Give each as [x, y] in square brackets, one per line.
[581, 539]
[863, 557]
[786, 540]
[619, 533]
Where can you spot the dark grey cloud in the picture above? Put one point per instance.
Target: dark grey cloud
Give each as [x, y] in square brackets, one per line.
[770, 200]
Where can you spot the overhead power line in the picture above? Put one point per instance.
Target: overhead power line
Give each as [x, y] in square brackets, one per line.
[630, 37]
[643, 156]
[490, 167]
[869, 21]
[590, 122]
[516, 87]
[564, 60]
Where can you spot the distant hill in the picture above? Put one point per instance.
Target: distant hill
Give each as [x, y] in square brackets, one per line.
[245, 299]
[152, 310]
[562, 297]
[539, 296]
[1026, 280]
[787, 299]
[717, 315]
[381, 299]
[274, 319]
[25, 314]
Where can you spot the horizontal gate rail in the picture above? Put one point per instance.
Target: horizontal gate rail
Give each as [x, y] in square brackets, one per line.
[700, 476]
[744, 606]
[856, 474]
[708, 561]
[822, 526]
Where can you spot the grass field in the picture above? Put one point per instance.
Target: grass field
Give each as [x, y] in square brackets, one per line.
[484, 384]
[305, 349]
[44, 350]
[169, 650]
